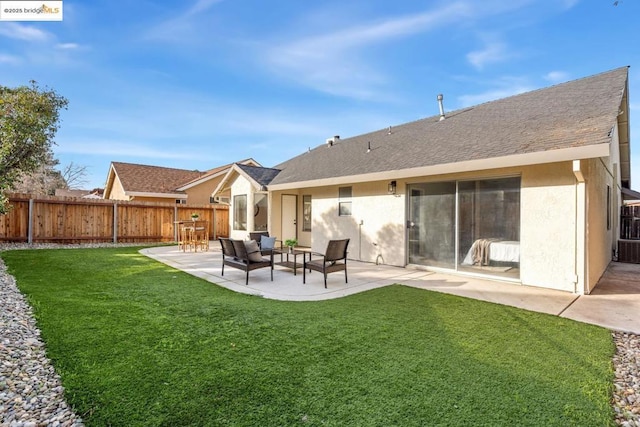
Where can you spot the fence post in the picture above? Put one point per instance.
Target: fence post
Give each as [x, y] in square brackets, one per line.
[215, 224]
[175, 223]
[30, 222]
[115, 222]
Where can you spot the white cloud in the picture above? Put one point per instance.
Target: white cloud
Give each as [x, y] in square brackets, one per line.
[116, 148]
[568, 4]
[334, 63]
[183, 26]
[491, 95]
[9, 59]
[493, 52]
[23, 32]
[200, 6]
[556, 76]
[67, 46]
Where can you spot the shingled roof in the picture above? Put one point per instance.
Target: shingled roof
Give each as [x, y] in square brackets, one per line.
[214, 172]
[580, 113]
[261, 175]
[152, 179]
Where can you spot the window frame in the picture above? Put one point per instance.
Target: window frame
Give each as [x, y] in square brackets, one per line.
[306, 212]
[345, 195]
[237, 212]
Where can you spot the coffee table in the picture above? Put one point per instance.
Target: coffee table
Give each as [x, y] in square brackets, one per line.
[289, 258]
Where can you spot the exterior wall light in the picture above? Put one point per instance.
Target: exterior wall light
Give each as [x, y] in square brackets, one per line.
[392, 187]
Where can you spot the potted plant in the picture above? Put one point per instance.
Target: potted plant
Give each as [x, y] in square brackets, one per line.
[195, 216]
[291, 243]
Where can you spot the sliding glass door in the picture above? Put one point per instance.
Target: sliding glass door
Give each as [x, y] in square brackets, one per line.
[471, 226]
[431, 224]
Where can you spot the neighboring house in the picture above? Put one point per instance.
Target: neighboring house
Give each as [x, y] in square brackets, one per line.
[524, 189]
[630, 197]
[128, 181]
[96, 193]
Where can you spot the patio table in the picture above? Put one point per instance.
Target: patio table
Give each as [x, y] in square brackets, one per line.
[289, 258]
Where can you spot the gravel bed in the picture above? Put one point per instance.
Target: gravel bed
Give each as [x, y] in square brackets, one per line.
[31, 394]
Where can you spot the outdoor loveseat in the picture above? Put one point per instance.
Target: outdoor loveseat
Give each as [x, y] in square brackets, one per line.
[245, 256]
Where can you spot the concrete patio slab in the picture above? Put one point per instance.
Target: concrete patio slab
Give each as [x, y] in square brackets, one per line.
[614, 304]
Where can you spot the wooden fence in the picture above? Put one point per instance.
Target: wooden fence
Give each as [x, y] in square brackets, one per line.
[53, 219]
[630, 222]
[629, 243]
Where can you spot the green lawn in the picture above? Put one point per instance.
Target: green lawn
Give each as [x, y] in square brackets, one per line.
[139, 343]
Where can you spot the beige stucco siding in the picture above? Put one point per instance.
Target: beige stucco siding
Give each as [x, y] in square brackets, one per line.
[547, 226]
[602, 240]
[557, 213]
[376, 226]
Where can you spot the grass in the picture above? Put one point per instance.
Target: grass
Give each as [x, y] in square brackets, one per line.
[139, 343]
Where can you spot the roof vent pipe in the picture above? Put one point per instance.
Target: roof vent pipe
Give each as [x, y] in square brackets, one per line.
[331, 141]
[441, 107]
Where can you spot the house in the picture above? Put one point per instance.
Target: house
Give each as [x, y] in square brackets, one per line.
[96, 193]
[129, 181]
[524, 189]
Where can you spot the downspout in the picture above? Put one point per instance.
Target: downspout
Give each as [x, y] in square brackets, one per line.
[579, 278]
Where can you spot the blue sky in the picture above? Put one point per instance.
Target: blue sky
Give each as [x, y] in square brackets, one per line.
[197, 84]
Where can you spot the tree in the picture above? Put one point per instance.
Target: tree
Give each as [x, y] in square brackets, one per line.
[43, 181]
[29, 120]
[75, 176]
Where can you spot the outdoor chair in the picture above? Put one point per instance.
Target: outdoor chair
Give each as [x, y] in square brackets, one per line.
[201, 235]
[334, 259]
[264, 248]
[186, 236]
[236, 254]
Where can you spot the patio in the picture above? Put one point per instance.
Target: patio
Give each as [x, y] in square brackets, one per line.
[614, 304]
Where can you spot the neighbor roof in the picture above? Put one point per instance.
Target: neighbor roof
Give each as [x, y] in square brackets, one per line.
[577, 114]
[152, 179]
[212, 173]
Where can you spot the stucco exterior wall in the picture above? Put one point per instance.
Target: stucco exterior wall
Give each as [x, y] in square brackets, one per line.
[550, 206]
[602, 237]
[548, 226]
[376, 226]
[599, 237]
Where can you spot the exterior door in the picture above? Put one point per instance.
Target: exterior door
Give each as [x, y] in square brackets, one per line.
[289, 217]
[431, 224]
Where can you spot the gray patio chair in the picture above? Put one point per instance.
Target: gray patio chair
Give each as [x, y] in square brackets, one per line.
[334, 259]
[234, 254]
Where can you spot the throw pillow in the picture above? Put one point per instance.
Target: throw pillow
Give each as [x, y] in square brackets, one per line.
[253, 251]
[267, 243]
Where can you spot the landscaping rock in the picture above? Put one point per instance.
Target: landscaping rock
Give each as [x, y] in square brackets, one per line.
[30, 391]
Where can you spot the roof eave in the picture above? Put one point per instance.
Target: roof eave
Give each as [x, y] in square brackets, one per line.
[150, 194]
[527, 159]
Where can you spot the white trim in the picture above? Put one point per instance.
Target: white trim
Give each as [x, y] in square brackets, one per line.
[541, 157]
[227, 179]
[224, 171]
[163, 195]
